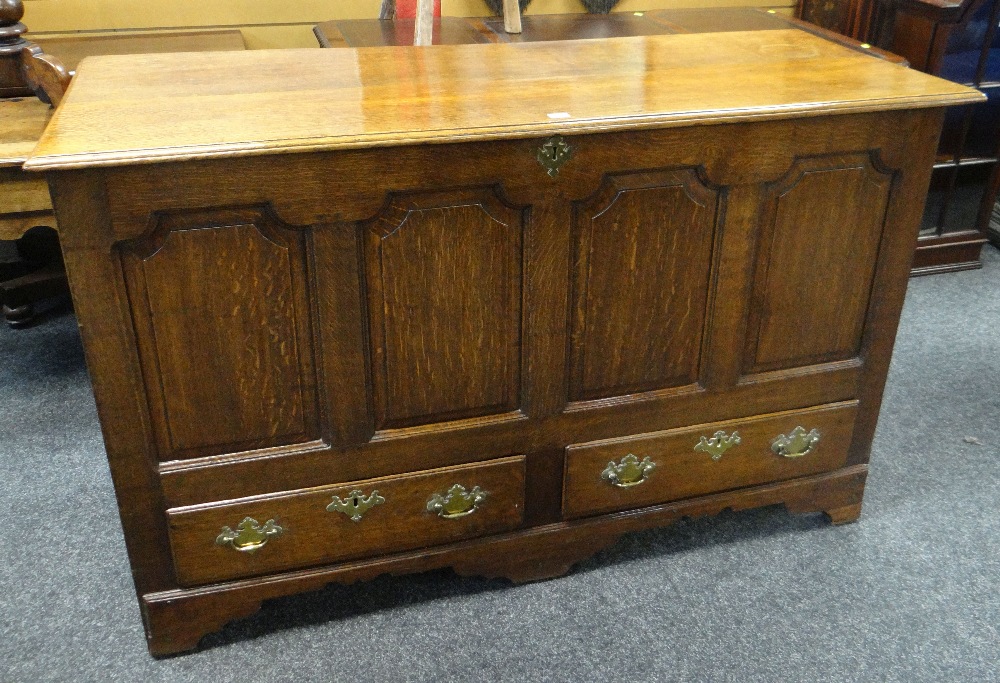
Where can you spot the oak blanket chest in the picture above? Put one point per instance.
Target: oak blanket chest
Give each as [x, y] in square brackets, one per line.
[488, 307]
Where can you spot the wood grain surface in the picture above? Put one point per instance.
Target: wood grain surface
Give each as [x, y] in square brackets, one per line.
[71, 50]
[312, 535]
[683, 472]
[24, 197]
[445, 302]
[22, 122]
[260, 327]
[334, 99]
[847, 199]
[630, 333]
[228, 357]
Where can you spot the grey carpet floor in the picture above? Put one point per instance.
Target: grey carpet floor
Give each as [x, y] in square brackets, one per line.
[910, 593]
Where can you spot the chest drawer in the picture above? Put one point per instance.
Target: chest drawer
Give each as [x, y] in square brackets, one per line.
[632, 472]
[320, 525]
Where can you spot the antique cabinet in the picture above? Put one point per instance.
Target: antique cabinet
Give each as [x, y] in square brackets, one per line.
[486, 307]
[859, 19]
[957, 40]
[31, 268]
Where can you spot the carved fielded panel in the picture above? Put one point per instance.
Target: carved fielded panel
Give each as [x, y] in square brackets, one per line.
[822, 226]
[224, 333]
[444, 291]
[643, 254]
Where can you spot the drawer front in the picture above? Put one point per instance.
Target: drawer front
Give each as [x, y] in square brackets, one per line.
[618, 474]
[331, 523]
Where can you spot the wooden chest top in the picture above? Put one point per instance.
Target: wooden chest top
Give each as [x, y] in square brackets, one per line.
[123, 110]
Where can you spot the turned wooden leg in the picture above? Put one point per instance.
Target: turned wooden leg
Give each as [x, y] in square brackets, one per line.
[11, 43]
[19, 316]
[844, 515]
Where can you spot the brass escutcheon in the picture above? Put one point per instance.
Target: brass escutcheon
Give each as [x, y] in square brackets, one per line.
[629, 472]
[356, 504]
[553, 154]
[457, 502]
[249, 536]
[796, 444]
[718, 444]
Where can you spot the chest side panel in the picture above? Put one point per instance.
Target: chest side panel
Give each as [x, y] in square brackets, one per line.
[444, 291]
[223, 325]
[821, 229]
[640, 282]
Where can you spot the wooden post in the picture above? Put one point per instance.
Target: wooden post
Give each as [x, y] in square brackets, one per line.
[12, 41]
[423, 30]
[511, 16]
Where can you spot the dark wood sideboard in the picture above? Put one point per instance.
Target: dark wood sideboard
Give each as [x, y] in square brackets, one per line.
[859, 19]
[556, 27]
[486, 307]
[960, 41]
[957, 40]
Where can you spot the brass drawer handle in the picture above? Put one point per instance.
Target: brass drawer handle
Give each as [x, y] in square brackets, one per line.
[356, 505]
[796, 444]
[457, 502]
[718, 444]
[629, 472]
[249, 536]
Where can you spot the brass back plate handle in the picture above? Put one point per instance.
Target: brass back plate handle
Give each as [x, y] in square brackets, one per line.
[799, 442]
[457, 502]
[630, 471]
[249, 536]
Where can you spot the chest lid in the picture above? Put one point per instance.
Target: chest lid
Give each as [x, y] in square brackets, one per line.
[166, 107]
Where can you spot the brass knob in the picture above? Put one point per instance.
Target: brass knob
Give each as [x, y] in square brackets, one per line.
[796, 444]
[629, 472]
[249, 536]
[457, 502]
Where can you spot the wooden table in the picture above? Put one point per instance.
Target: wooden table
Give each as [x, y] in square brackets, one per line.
[487, 307]
[24, 204]
[545, 27]
[72, 49]
[24, 198]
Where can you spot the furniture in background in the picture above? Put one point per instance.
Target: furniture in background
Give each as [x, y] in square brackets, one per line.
[957, 40]
[486, 307]
[858, 19]
[72, 49]
[32, 272]
[426, 17]
[546, 27]
[31, 268]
